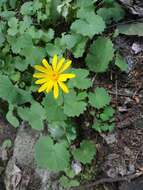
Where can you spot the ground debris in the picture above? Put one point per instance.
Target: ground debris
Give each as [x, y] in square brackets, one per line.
[21, 171]
[135, 7]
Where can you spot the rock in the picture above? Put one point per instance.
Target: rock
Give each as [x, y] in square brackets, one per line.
[135, 7]
[21, 171]
[115, 166]
[109, 138]
[77, 167]
[137, 48]
[136, 185]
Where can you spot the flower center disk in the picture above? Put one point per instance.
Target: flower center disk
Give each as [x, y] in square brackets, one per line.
[55, 76]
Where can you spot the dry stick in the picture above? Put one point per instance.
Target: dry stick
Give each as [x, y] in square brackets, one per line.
[131, 94]
[125, 22]
[136, 157]
[116, 86]
[120, 94]
[109, 180]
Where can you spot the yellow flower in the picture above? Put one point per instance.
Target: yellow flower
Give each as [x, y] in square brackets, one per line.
[52, 76]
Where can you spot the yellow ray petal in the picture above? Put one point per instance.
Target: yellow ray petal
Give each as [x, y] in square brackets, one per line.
[54, 62]
[43, 87]
[39, 75]
[46, 64]
[63, 87]
[64, 77]
[66, 66]
[60, 63]
[41, 69]
[41, 81]
[50, 86]
[56, 90]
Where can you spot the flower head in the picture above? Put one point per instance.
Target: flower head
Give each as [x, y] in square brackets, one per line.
[52, 76]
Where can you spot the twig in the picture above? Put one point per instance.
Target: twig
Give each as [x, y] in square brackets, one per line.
[108, 180]
[116, 86]
[139, 88]
[120, 94]
[136, 157]
[131, 94]
[125, 22]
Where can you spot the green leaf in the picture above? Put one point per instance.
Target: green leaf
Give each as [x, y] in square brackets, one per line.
[13, 22]
[7, 143]
[95, 59]
[37, 5]
[80, 81]
[48, 35]
[64, 8]
[13, 26]
[20, 43]
[12, 3]
[70, 173]
[23, 96]
[25, 24]
[70, 40]
[34, 115]
[54, 112]
[61, 129]
[55, 157]
[108, 1]
[7, 14]
[135, 29]
[11, 118]
[11, 93]
[53, 9]
[85, 153]
[103, 127]
[121, 63]
[15, 76]
[79, 49]
[68, 183]
[100, 98]
[19, 63]
[82, 95]
[72, 105]
[70, 132]
[85, 12]
[52, 49]
[27, 8]
[109, 127]
[2, 39]
[75, 43]
[56, 130]
[107, 113]
[97, 126]
[93, 24]
[85, 3]
[112, 13]
[33, 54]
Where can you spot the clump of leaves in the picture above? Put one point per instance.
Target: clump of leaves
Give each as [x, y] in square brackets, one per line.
[85, 153]
[68, 183]
[33, 30]
[53, 156]
[99, 98]
[95, 59]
